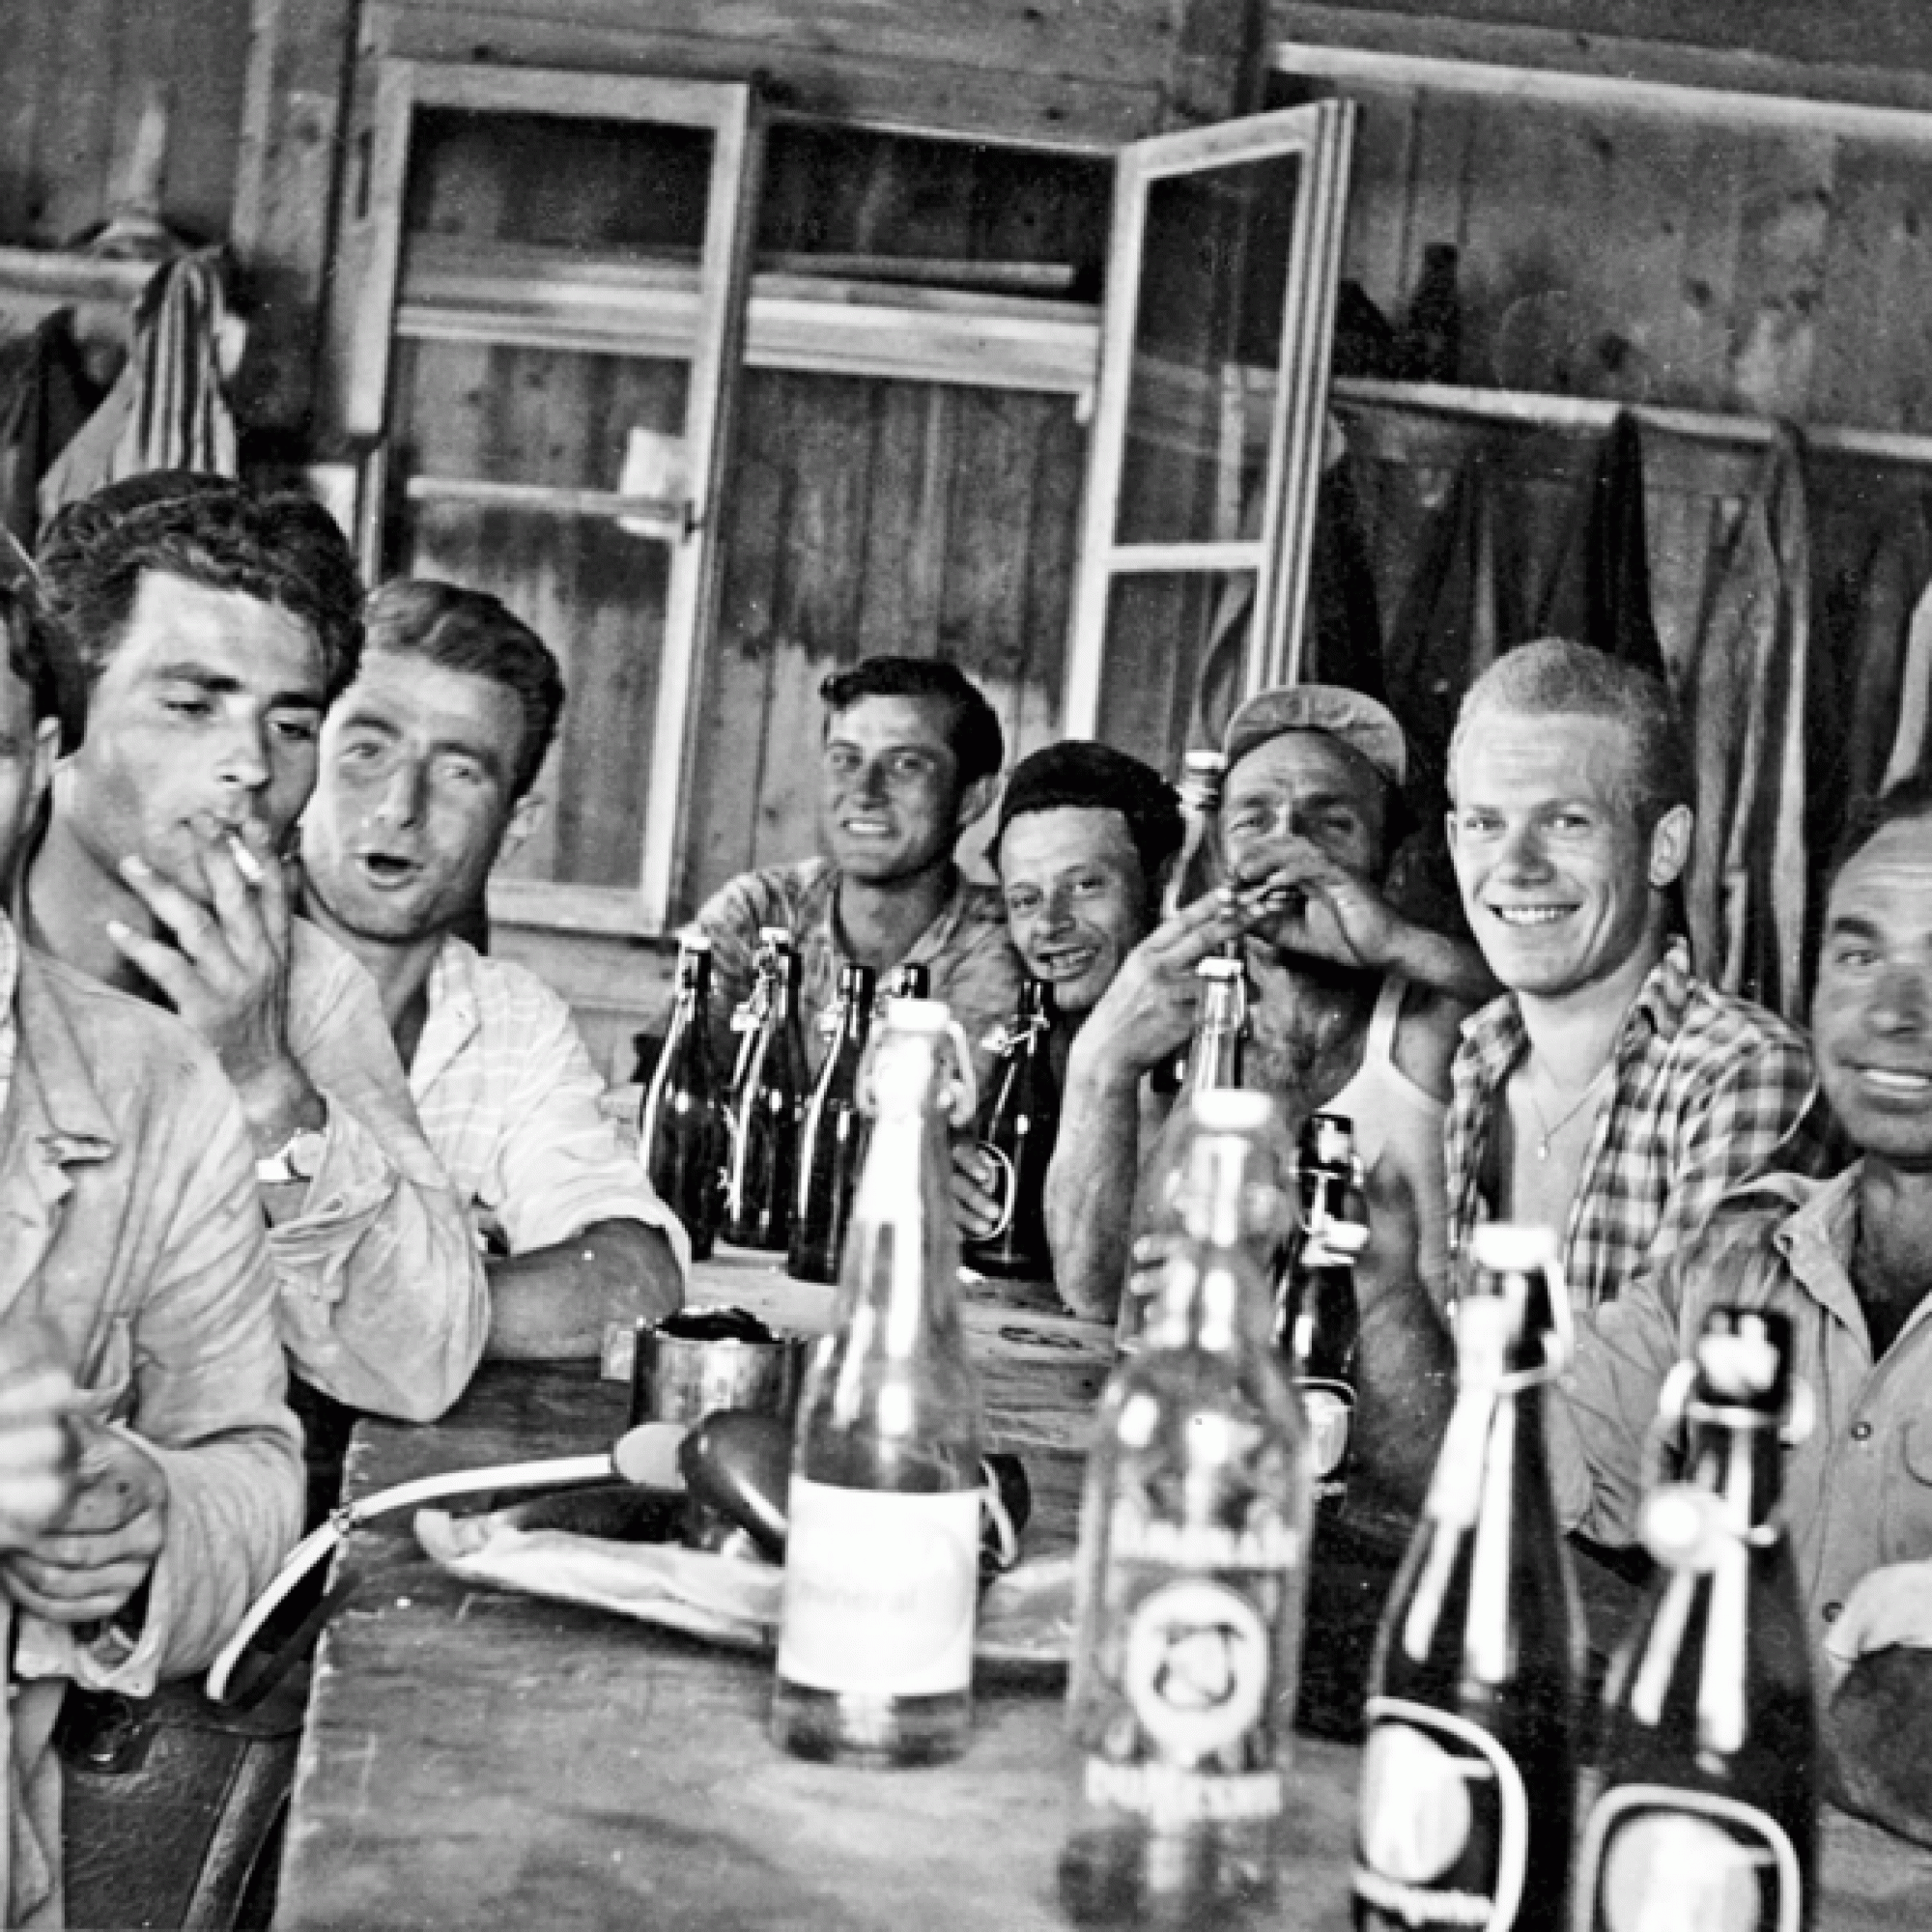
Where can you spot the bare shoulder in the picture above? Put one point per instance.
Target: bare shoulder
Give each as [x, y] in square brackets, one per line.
[1427, 1034]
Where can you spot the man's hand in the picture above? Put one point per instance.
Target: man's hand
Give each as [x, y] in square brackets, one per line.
[1147, 1013]
[974, 1203]
[37, 1451]
[227, 971]
[1308, 904]
[100, 1550]
[1888, 1608]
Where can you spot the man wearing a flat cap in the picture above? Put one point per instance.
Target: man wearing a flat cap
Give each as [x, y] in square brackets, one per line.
[1356, 1007]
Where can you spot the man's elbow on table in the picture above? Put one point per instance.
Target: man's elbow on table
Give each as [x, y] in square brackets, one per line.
[554, 1303]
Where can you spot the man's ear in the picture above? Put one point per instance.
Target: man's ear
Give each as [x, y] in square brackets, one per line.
[525, 816]
[976, 798]
[1670, 846]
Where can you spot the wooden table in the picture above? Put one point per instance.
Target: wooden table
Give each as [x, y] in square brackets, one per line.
[476, 1758]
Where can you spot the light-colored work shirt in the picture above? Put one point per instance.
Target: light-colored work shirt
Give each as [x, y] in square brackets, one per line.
[1859, 1492]
[382, 1297]
[511, 1105]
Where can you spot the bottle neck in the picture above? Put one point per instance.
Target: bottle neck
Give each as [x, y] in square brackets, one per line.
[1214, 1058]
[1739, 1459]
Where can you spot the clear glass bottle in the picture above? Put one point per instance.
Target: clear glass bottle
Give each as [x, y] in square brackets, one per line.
[1016, 1130]
[1318, 1321]
[1193, 1544]
[682, 1134]
[1196, 870]
[1213, 1063]
[767, 1109]
[875, 1648]
[1470, 1777]
[1708, 1811]
[833, 1139]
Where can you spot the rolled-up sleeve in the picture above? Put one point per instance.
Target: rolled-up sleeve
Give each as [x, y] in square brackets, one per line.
[383, 1295]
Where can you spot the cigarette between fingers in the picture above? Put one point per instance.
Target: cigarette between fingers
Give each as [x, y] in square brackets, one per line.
[245, 862]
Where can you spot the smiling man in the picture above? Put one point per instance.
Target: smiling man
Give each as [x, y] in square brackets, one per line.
[911, 754]
[212, 625]
[428, 760]
[1610, 1095]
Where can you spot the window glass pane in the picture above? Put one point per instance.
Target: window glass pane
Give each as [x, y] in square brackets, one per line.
[1207, 342]
[1174, 646]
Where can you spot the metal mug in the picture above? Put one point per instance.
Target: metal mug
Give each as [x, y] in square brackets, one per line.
[677, 1377]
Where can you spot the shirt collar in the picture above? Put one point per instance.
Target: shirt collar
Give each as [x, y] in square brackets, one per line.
[454, 1015]
[1497, 1038]
[1816, 1238]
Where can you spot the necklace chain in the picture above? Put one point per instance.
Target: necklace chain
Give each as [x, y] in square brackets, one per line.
[1584, 1099]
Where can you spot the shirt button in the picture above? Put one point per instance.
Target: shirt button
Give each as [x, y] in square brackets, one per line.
[1832, 1612]
[1860, 1431]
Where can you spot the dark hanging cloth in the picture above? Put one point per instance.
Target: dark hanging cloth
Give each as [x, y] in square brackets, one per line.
[1449, 628]
[44, 397]
[1599, 592]
[1345, 632]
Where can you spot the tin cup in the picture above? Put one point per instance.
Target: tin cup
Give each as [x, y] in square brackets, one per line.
[684, 1369]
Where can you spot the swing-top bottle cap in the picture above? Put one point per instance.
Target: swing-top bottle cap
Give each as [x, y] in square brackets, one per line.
[693, 942]
[1744, 1359]
[910, 1015]
[1218, 966]
[1512, 1247]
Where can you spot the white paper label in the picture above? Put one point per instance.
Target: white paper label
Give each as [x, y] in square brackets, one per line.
[880, 1590]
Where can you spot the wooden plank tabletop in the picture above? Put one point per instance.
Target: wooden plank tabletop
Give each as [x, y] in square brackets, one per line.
[476, 1758]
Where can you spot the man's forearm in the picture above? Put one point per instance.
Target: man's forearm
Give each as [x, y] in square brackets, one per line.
[1426, 957]
[555, 1302]
[1405, 1388]
[1090, 1192]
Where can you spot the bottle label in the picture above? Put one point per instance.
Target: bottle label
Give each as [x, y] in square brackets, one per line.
[1004, 1190]
[1444, 1836]
[880, 1590]
[1330, 1409]
[1183, 1718]
[1656, 1859]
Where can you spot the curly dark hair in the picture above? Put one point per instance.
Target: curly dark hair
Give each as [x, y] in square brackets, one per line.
[470, 630]
[972, 726]
[277, 546]
[39, 656]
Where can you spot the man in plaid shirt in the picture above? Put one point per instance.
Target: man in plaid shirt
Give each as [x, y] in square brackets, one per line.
[1610, 1094]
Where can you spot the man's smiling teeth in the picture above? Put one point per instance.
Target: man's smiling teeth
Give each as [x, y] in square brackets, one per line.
[1068, 965]
[1530, 914]
[1898, 1083]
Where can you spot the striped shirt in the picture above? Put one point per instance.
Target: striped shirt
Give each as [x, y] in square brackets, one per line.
[508, 1100]
[1711, 1090]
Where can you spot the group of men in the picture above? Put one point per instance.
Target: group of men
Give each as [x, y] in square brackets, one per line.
[268, 1128]
[1563, 1066]
[263, 1105]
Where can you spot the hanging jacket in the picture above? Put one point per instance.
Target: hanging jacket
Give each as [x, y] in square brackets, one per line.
[1749, 668]
[1599, 590]
[45, 396]
[1893, 587]
[1345, 630]
[167, 410]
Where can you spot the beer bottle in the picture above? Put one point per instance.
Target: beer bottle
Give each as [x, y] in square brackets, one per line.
[763, 1175]
[875, 1644]
[1016, 1131]
[1318, 1322]
[909, 980]
[833, 1140]
[748, 1015]
[1197, 869]
[1708, 1809]
[682, 1135]
[1193, 1540]
[1468, 1780]
[1214, 1061]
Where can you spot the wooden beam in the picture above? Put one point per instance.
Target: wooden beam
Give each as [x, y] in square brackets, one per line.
[550, 500]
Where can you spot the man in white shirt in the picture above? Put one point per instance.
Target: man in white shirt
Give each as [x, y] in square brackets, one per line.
[427, 766]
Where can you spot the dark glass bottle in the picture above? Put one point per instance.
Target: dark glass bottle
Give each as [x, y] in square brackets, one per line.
[1319, 1323]
[1016, 1130]
[762, 1178]
[833, 1140]
[1197, 868]
[1708, 1812]
[875, 1646]
[1193, 1535]
[1470, 1778]
[682, 1132]
[748, 1015]
[1213, 1063]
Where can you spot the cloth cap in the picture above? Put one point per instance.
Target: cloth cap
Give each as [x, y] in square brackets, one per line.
[1079, 772]
[1357, 720]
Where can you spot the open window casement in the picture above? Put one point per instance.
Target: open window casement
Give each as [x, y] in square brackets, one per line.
[537, 450]
[1206, 448]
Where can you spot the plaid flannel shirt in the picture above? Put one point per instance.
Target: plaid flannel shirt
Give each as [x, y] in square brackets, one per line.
[1711, 1090]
